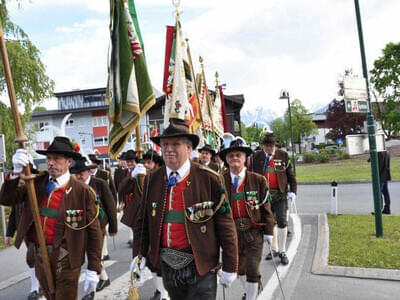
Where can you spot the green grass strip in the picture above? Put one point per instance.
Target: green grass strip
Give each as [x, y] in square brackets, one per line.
[352, 242]
[341, 170]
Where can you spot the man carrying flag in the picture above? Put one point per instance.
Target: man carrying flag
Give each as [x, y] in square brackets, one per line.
[129, 91]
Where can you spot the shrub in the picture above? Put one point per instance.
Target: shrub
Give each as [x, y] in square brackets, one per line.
[343, 155]
[323, 157]
[309, 157]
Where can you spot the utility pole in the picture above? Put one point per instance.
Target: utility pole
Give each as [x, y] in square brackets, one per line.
[371, 134]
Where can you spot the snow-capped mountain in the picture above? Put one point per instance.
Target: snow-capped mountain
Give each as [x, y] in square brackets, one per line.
[258, 115]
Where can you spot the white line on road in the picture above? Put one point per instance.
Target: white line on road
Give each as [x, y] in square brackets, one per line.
[14, 280]
[273, 282]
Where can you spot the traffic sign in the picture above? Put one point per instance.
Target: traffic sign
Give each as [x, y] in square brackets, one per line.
[355, 88]
[356, 106]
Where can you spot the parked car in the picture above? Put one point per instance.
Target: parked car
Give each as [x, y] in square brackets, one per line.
[335, 147]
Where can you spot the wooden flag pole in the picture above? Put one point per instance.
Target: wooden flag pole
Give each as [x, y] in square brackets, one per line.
[139, 152]
[28, 178]
[208, 101]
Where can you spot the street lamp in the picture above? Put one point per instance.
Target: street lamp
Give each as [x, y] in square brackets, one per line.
[285, 95]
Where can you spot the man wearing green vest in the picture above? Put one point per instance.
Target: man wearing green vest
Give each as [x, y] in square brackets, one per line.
[274, 164]
[249, 198]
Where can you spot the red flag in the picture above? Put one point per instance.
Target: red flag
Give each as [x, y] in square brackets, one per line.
[154, 132]
[168, 49]
[224, 117]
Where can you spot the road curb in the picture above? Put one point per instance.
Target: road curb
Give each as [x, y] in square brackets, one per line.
[320, 263]
[341, 182]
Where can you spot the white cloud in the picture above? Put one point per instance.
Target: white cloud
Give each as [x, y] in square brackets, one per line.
[258, 47]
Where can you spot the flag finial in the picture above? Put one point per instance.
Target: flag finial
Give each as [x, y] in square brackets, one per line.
[176, 3]
[216, 79]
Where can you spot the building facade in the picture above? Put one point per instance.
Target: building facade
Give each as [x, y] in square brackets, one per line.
[89, 126]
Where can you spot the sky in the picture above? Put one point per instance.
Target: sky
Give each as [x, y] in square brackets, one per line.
[258, 47]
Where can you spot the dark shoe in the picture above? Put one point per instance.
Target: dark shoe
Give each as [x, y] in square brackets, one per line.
[274, 254]
[89, 296]
[386, 211]
[33, 295]
[102, 284]
[106, 257]
[284, 258]
[289, 233]
[156, 296]
[244, 296]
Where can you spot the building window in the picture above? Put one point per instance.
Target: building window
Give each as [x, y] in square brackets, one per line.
[40, 126]
[101, 141]
[100, 121]
[69, 124]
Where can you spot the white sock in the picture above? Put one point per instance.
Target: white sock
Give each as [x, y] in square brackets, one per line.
[103, 274]
[34, 280]
[242, 279]
[160, 287]
[282, 235]
[274, 245]
[104, 251]
[251, 290]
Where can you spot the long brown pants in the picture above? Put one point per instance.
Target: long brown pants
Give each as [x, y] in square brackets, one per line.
[66, 280]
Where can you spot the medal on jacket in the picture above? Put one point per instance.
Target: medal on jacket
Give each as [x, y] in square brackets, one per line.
[80, 213]
[252, 200]
[191, 210]
[154, 206]
[69, 214]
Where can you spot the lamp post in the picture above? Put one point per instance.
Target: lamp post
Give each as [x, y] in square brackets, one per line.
[285, 95]
[371, 133]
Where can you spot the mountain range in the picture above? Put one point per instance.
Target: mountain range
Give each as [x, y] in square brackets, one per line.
[258, 115]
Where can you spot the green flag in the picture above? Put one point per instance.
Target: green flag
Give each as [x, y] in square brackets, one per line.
[129, 91]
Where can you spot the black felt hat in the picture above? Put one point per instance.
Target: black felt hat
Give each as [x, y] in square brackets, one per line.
[208, 148]
[130, 155]
[94, 158]
[61, 145]
[177, 128]
[237, 144]
[269, 139]
[82, 164]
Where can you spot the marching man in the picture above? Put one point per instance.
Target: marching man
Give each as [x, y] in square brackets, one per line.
[186, 221]
[108, 211]
[249, 198]
[276, 167]
[206, 154]
[68, 217]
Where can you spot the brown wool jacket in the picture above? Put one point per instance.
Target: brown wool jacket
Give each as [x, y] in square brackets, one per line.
[205, 238]
[106, 176]
[131, 211]
[213, 166]
[77, 243]
[263, 216]
[284, 172]
[107, 203]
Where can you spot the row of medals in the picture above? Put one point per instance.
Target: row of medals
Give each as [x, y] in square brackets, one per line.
[74, 216]
[201, 210]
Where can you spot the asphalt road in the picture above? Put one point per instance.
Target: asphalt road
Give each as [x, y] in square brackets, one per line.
[299, 283]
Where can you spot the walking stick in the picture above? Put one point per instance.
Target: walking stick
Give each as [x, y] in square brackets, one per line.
[276, 271]
[28, 178]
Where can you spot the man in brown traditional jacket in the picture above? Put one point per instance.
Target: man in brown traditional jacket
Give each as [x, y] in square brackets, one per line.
[68, 216]
[186, 221]
[249, 198]
[274, 164]
[206, 155]
[108, 211]
[134, 186]
[106, 176]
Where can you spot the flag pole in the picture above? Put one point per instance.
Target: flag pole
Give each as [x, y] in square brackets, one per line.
[208, 101]
[194, 79]
[28, 178]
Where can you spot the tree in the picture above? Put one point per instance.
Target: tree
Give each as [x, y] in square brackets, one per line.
[281, 132]
[385, 78]
[302, 124]
[31, 83]
[253, 133]
[342, 123]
